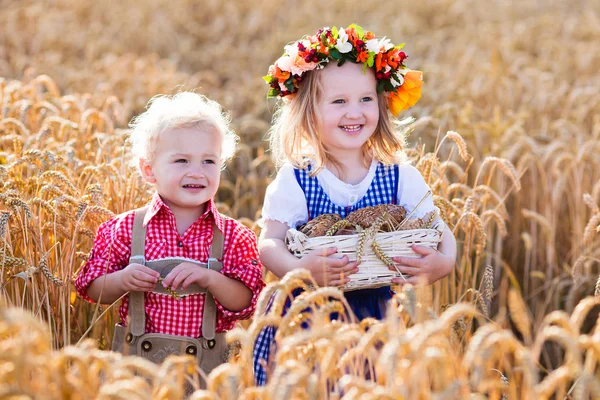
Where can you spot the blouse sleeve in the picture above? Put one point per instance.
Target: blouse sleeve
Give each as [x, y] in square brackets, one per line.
[285, 201]
[411, 189]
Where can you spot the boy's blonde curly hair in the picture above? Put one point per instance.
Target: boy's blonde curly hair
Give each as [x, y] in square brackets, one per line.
[182, 110]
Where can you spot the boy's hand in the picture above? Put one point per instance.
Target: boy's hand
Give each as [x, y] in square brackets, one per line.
[326, 269]
[138, 278]
[432, 266]
[185, 274]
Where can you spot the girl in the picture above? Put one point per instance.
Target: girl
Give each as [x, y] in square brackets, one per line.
[335, 136]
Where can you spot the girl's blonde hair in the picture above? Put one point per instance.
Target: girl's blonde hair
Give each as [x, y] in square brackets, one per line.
[294, 136]
[183, 110]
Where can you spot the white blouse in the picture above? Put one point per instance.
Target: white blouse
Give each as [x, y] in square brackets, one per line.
[285, 201]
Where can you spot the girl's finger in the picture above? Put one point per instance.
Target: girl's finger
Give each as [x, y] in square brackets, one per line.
[326, 252]
[338, 282]
[337, 263]
[413, 280]
[408, 261]
[407, 270]
[346, 269]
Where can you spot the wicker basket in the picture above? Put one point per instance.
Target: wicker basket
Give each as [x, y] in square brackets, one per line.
[372, 272]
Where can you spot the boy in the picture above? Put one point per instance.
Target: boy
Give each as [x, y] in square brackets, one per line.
[190, 272]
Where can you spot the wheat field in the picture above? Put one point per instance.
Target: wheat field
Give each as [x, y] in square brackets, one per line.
[507, 134]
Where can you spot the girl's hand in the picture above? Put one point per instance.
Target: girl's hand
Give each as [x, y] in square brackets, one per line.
[327, 269]
[432, 266]
[137, 278]
[185, 274]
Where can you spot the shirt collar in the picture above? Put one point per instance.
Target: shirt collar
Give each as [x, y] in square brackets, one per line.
[156, 204]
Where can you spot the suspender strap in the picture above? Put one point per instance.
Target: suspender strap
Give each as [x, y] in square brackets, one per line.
[137, 312]
[209, 316]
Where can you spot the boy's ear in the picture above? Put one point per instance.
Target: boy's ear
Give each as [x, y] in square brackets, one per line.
[147, 171]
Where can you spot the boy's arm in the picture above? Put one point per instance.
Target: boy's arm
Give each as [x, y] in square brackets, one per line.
[109, 288]
[102, 278]
[231, 293]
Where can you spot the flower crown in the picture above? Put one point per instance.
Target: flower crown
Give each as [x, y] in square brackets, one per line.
[354, 44]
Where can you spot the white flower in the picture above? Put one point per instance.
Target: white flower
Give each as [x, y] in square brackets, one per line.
[291, 50]
[342, 43]
[285, 63]
[373, 45]
[385, 44]
[397, 80]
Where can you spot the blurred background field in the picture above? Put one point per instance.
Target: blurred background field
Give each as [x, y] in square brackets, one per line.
[507, 134]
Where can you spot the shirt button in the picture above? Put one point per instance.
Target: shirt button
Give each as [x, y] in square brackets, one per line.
[180, 243]
[352, 199]
[254, 262]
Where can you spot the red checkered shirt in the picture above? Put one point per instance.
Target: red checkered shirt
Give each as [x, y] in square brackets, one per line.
[112, 249]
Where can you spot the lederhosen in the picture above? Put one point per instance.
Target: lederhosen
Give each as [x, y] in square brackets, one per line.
[209, 349]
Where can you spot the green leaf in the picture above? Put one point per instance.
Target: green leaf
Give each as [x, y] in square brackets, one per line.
[289, 84]
[272, 93]
[323, 38]
[334, 31]
[268, 79]
[341, 62]
[380, 86]
[334, 53]
[388, 86]
[371, 59]
[401, 45]
[359, 30]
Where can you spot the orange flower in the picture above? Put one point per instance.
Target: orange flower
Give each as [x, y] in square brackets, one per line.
[363, 56]
[322, 49]
[352, 36]
[380, 62]
[369, 36]
[281, 76]
[392, 59]
[408, 94]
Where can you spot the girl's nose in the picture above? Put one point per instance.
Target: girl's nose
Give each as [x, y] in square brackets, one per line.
[353, 111]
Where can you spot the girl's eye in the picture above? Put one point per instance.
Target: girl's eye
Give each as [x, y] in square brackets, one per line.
[367, 99]
[181, 160]
[209, 161]
[338, 101]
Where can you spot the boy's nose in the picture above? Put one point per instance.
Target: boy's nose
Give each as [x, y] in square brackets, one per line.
[196, 172]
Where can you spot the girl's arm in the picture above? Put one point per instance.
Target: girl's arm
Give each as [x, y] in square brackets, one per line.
[326, 270]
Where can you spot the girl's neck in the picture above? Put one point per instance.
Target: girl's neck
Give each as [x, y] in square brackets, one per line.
[351, 169]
